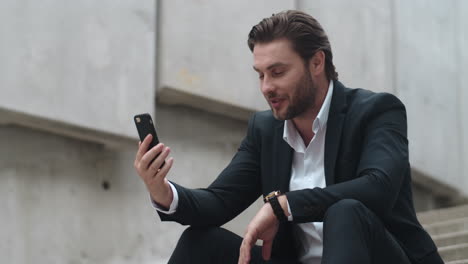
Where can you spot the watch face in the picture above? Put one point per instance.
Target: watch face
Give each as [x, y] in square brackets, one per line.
[271, 195]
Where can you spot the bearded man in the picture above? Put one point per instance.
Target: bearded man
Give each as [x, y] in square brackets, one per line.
[331, 163]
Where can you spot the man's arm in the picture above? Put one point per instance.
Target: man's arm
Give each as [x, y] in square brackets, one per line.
[236, 188]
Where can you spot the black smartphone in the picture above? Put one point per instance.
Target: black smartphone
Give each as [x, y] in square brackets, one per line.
[144, 124]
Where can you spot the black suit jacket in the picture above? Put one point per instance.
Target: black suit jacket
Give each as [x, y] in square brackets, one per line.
[366, 159]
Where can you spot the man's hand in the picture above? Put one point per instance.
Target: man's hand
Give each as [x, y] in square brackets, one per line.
[152, 174]
[263, 226]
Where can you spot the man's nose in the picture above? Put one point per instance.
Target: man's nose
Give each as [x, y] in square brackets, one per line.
[267, 86]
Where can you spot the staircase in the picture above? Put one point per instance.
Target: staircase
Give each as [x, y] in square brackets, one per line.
[449, 229]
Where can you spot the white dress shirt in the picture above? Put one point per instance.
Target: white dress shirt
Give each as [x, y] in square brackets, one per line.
[307, 171]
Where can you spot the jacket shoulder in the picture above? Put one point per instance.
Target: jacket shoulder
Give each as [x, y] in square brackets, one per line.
[366, 101]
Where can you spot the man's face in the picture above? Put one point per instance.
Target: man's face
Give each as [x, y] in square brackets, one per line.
[285, 80]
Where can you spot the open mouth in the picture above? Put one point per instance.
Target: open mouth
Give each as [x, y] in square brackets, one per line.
[276, 102]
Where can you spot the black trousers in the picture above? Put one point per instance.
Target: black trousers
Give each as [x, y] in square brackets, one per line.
[352, 234]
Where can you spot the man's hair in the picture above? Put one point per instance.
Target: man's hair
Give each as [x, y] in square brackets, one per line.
[305, 33]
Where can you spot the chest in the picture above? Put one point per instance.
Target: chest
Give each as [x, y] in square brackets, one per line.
[283, 168]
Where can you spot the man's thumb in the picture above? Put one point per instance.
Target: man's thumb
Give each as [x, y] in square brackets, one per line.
[266, 249]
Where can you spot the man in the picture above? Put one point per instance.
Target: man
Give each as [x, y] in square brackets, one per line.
[332, 163]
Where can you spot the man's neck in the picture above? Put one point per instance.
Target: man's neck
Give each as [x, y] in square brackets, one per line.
[303, 123]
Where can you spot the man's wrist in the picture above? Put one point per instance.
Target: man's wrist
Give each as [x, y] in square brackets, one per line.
[283, 201]
[279, 205]
[165, 203]
[277, 210]
[174, 203]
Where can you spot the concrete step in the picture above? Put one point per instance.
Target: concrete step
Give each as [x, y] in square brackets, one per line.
[449, 226]
[460, 237]
[442, 215]
[454, 252]
[463, 261]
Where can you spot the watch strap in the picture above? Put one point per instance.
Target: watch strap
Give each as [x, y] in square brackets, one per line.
[277, 210]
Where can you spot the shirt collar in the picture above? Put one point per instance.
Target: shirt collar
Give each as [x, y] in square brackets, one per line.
[322, 116]
[290, 134]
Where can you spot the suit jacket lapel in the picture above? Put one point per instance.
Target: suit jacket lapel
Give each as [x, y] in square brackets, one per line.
[282, 159]
[334, 127]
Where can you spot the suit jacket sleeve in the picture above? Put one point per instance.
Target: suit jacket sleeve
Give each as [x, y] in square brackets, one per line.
[236, 188]
[382, 165]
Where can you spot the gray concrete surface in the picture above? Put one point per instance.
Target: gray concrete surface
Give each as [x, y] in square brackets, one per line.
[428, 80]
[462, 61]
[84, 63]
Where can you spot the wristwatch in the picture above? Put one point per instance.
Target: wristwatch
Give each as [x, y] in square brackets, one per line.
[272, 198]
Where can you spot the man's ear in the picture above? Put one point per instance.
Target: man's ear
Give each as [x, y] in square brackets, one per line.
[317, 63]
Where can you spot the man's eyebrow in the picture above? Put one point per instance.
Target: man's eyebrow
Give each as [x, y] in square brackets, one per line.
[277, 64]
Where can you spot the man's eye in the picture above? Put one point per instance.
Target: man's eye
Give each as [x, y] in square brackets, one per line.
[260, 76]
[276, 74]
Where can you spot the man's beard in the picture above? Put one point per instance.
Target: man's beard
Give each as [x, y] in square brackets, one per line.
[302, 99]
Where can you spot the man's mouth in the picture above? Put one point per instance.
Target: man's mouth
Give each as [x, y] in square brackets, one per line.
[276, 102]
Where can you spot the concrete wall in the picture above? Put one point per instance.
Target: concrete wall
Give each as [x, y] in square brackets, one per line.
[78, 63]
[462, 7]
[430, 56]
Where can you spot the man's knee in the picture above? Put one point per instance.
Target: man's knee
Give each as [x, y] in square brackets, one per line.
[345, 209]
[346, 220]
[193, 242]
[206, 245]
[197, 235]
[189, 234]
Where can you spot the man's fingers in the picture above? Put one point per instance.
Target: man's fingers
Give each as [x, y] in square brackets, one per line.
[157, 163]
[150, 156]
[165, 168]
[266, 249]
[246, 247]
[244, 256]
[143, 147]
